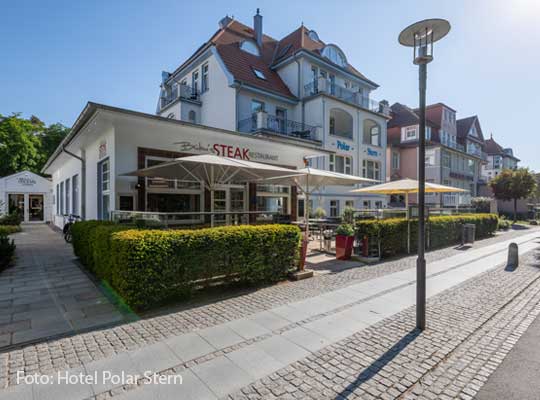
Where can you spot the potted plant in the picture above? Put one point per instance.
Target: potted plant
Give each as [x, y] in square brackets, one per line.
[344, 241]
[319, 213]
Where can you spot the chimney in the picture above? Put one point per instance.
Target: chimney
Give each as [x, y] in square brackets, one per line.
[257, 27]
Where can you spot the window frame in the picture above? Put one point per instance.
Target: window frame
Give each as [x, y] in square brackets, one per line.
[204, 77]
[347, 164]
[375, 169]
[334, 208]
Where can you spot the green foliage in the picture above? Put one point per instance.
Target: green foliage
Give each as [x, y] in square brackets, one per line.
[11, 219]
[7, 248]
[319, 212]
[9, 229]
[151, 267]
[26, 144]
[481, 204]
[441, 231]
[513, 185]
[345, 230]
[348, 215]
[504, 224]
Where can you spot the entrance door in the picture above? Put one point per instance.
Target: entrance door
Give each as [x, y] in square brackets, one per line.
[220, 205]
[35, 212]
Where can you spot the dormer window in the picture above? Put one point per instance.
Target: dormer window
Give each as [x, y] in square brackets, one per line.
[250, 47]
[313, 36]
[335, 55]
[259, 74]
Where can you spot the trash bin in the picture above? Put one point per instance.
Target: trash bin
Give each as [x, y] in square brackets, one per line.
[468, 232]
[327, 236]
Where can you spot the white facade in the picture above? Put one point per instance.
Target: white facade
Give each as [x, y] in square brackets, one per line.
[29, 194]
[122, 139]
[330, 103]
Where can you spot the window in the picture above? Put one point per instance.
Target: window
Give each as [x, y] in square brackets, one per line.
[367, 204]
[256, 106]
[57, 199]
[250, 47]
[341, 123]
[446, 160]
[126, 203]
[204, 82]
[103, 189]
[192, 116]
[61, 198]
[313, 36]
[428, 133]
[335, 55]
[68, 190]
[259, 74]
[334, 208]
[371, 169]
[341, 164]
[195, 81]
[410, 132]
[378, 204]
[395, 160]
[349, 203]
[314, 77]
[75, 194]
[372, 133]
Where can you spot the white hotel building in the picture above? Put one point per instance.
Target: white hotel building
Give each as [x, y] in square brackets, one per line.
[241, 94]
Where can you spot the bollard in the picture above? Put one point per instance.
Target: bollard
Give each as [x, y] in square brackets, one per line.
[513, 255]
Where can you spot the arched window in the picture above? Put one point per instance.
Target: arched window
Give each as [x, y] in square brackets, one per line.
[192, 117]
[313, 36]
[250, 47]
[341, 123]
[372, 133]
[335, 55]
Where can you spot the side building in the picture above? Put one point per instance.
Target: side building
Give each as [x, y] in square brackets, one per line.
[454, 151]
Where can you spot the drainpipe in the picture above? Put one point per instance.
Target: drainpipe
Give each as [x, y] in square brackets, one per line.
[83, 178]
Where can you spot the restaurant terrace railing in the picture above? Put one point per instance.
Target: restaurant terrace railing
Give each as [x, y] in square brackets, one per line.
[345, 94]
[197, 219]
[179, 92]
[264, 122]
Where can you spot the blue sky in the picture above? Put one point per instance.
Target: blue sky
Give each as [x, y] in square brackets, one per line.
[57, 55]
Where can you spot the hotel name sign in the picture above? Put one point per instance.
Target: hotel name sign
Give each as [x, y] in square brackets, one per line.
[226, 150]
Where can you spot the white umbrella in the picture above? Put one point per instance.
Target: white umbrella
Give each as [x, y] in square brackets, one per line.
[212, 170]
[309, 180]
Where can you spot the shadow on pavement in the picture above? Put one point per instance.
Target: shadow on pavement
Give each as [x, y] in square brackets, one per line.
[380, 362]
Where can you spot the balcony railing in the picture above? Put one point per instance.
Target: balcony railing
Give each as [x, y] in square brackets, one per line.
[261, 122]
[326, 86]
[179, 92]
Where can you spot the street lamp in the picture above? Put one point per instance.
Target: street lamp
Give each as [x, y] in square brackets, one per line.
[421, 36]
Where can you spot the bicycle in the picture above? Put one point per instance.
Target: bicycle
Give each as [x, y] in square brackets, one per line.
[71, 219]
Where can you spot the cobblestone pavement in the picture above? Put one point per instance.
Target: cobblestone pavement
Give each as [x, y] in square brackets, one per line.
[71, 352]
[471, 328]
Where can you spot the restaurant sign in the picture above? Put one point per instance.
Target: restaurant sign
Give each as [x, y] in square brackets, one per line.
[26, 181]
[225, 150]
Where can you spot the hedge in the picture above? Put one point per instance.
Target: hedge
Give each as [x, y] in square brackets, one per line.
[440, 231]
[7, 246]
[152, 267]
[9, 229]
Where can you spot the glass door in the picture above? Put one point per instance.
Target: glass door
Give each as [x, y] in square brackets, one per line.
[237, 205]
[35, 211]
[220, 205]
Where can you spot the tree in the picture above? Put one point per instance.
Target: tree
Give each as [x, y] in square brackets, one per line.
[513, 185]
[26, 144]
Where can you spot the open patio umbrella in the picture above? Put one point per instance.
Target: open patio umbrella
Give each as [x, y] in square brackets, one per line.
[407, 186]
[212, 170]
[309, 180]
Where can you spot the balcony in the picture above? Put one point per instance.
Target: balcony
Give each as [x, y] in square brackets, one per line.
[182, 92]
[262, 122]
[322, 85]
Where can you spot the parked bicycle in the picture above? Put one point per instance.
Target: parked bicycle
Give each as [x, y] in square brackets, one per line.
[69, 220]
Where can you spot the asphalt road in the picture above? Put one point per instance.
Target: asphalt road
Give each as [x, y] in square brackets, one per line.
[518, 377]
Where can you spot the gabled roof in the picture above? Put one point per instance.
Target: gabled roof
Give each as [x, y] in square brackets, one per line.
[300, 40]
[406, 116]
[493, 148]
[240, 64]
[464, 125]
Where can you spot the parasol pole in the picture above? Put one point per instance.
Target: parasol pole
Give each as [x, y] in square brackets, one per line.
[408, 223]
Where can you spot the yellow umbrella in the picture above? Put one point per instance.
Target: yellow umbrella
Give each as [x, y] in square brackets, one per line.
[406, 186]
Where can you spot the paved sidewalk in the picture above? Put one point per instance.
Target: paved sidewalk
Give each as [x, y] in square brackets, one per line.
[218, 360]
[45, 293]
[518, 377]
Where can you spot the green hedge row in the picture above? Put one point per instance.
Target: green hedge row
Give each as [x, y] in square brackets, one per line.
[9, 229]
[151, 267]
[441, 231]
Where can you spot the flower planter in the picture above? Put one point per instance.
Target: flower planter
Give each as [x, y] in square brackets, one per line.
[303, 252]
[344, 246]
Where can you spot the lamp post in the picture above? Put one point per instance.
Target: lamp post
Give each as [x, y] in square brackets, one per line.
[421, 36]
